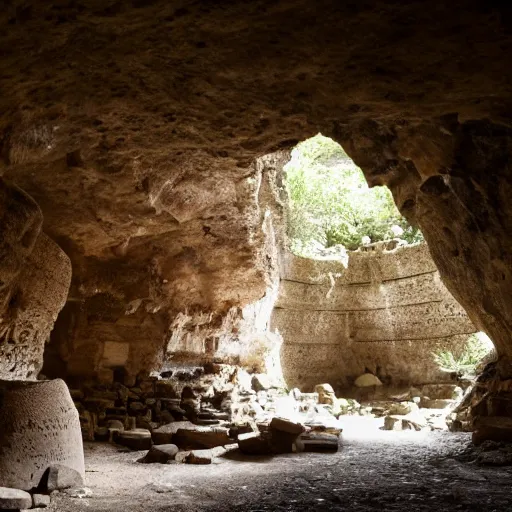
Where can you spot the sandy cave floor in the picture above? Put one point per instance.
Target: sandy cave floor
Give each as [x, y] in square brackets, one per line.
[373, 470]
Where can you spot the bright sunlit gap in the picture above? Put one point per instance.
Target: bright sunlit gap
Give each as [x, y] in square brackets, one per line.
[331, 207]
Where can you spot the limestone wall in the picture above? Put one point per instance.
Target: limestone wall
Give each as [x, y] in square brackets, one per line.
[35, 275]
[385, 313]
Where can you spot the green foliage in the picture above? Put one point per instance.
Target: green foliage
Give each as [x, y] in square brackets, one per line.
[478, 347]
[331, 203]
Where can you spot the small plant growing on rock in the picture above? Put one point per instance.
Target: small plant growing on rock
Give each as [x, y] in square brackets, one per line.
[478, 349]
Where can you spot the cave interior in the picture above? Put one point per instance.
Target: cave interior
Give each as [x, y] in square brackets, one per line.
[147, 294]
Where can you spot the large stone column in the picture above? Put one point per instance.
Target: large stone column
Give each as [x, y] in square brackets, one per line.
[35, 276]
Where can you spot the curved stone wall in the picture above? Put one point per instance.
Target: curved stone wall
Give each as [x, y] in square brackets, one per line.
[385, 313]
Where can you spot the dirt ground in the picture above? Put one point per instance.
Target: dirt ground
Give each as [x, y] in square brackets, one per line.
[373, 470]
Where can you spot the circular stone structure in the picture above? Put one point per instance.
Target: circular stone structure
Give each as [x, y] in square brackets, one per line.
[39, 427]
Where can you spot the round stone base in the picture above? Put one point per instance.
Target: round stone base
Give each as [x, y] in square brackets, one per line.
[39, 427]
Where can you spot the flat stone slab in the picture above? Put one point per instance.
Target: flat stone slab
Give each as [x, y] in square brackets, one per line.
[165, 433]
[14, 499]
[201, 439]
[137, 439]
[318, 442]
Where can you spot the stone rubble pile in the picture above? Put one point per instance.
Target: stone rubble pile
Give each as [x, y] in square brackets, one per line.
[57, 478]
[195, 415]
[429, 407]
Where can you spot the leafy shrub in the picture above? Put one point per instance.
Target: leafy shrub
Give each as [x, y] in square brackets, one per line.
[478, 348]
[331, 203]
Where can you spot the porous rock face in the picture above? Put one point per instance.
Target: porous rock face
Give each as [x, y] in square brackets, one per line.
[386, 313]
[39, 428]
[134, 126]
[458, 194]
[34, 281]
[203, 292]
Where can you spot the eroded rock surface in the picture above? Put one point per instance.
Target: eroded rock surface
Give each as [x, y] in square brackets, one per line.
[385, 314]
[135, 125]
[35, 276]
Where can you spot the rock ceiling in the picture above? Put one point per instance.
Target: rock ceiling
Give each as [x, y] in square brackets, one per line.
[133, 124]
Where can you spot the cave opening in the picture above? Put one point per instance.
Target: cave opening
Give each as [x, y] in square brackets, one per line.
[331, 209]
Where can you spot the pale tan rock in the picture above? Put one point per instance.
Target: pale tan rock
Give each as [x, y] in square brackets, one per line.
[392, 423]
[14, 499]
[367, 380]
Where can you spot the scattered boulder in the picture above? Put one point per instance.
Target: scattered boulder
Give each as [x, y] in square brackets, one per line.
[181, 456]
[392, 423]
[40, 500]
[160, 454]
[326, 394]
[283, 434]
[136, 439]
[63, 477]
[412, 421]
[295, 393]
[235, 431]
[14, 499]
[441, 391]
[367, 380]
[260, 382]
[402, 408]
[287, 426]
[254, 444]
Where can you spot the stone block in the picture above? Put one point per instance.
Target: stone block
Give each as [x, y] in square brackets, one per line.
[287, 426]
[14, 499]
[254, 444]
[165, 433]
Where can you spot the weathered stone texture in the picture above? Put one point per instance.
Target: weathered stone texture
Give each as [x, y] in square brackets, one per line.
[35, 275]
[39, 428]
[206, 292]
[139, 150]
[385, 313]
[451, 177]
